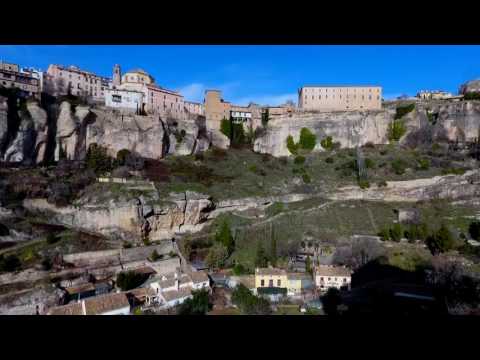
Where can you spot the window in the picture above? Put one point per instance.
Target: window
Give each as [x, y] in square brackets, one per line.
[116, 98]
[321, 279]
[378, 97]
[270, 283]
[328, 279]
[279, 283]
[363, 97]
[319, 97]
[262, 282]
[344, 280]
[369, 97]
[312, 97]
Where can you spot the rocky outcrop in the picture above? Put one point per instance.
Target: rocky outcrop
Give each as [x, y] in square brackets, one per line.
[3, 121]
[22, 146]
[219, 140]
[439, 187]
[40, 126]
[349, 128]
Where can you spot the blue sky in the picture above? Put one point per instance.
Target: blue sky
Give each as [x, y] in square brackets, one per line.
[268, 74]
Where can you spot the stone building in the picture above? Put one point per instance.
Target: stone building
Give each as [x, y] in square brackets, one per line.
[340, 98]
[327, 276]
[194, 108]
[434, 95]
[156, 100]
[61, 80]
[124, 100]
[12, 77]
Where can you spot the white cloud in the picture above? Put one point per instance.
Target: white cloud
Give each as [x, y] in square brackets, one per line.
[271, 100]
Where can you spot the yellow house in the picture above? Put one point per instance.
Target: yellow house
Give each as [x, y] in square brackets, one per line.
[270, 278]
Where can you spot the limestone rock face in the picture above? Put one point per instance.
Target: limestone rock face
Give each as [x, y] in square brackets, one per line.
[21, 148]
[219, 140]
[442, 187]
[349, 128]
[39, 118]
[3, 120]
[67, 132]
[141, 134]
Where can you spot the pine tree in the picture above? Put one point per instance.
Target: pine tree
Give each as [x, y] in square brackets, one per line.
[274, 247]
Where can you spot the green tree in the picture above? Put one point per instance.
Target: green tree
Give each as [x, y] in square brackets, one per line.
[98, 159]
[226, 128]
[399, 166]
[273, 256]
[440, 241]
[224, 236]
[248, 303]
[307, 139]
[217, 256]
[130, 280]
[327, 143]
[396, 232]
[261, 258]
[198, 305]
[384, 234]
[291, 146]
[401, 111]
[396, 129]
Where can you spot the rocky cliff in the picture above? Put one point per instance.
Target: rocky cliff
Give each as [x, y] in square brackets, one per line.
[447, 120]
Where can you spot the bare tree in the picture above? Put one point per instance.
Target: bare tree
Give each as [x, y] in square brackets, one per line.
[359, 253]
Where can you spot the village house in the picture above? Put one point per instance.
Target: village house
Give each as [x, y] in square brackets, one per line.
[110, 304]
[28, 82]
[170, 290]
[298, 283]
[276, 283]
[329, 276]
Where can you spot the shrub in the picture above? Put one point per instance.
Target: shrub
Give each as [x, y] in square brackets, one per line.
[197, 305]
[199, 157]
[291, 146]
[384, 234]
[306, 178]
[276, 208]
[299, 160]
[474, 230]
[399, 166]
[253, 168]
[307, 139]
[364, 184]
[226, 128]
[440, 241]
[129, 280]
[329, 160]
[369, 163]
[239, 269]
[472, 96]
[382, 183]
[9, 263]
[98, 159]
[454, 171]
[283, 160]
[401, 111]
[423, 164]
[155, 256]
[127, 245]
[396, 232]
[52, 238]
[396, 129]
[383, 152]
[217, 256]
[327, 143]
[248, 303]
[224, 236]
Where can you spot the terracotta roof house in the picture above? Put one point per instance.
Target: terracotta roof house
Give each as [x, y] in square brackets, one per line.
[110, 304]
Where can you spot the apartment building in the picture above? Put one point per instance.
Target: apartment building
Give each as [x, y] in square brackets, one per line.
[12, 77]
[61, 80]
[340, 98]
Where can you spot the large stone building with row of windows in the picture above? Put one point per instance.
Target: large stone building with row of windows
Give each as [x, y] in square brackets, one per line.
[62, 80]
[136, 90]
[28, 81]
[339, 98]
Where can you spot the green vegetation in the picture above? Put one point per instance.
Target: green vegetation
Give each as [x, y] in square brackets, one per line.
[401, 111]
[364, 184]
[423, 164]
[9, 263]
[440, 241]
[226, 127]
[327, 143]
[198, 305]
[291, 146]
[472, 96]
[155, 256]
[399, 166]
[261, 258]
[299, 160]
[454, 171]
[248, 303]
[217, 256]
[98, 159]
[239, 269]
[130, 280]
[122, 156]
[265, 117]
[306, 178]
[307, 139]
[396, 129]
[369, 163]
[52, 238]
[276, 208]
[224, 236]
